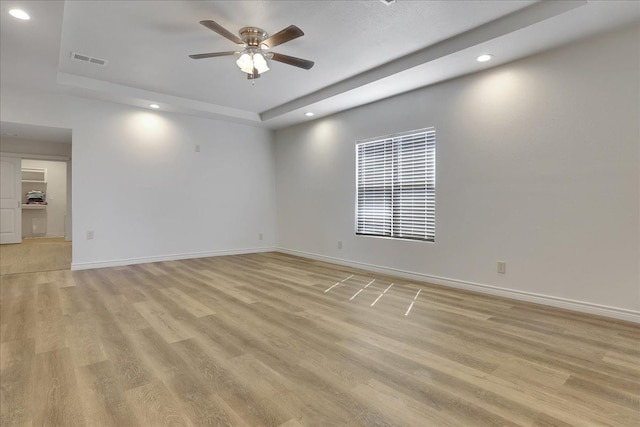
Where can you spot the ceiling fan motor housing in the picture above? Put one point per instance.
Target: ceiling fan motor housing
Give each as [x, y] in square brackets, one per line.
[253, 36]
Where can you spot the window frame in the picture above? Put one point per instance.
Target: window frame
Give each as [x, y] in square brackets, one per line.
[395, 140]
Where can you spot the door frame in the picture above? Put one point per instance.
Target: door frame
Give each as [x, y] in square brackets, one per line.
[68, 223]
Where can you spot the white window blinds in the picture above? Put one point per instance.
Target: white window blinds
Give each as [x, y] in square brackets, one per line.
[396, 186]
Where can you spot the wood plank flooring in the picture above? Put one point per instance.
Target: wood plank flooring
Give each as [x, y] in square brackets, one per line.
[271, 339]
[35, 255]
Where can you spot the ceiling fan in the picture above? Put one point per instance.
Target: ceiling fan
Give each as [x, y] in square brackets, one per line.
[255, 44]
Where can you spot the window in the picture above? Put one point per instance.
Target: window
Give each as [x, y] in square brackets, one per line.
[396, 186]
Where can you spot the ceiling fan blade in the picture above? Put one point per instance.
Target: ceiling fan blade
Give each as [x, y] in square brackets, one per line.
[289, 33]
[292, 60]
[212, 55]
[214, 26]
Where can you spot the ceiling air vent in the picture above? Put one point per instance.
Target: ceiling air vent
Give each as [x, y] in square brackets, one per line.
[85, 58]
[97, 61]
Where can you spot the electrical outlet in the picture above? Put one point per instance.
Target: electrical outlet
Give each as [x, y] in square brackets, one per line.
[339, 244]
[90, 235]
[197, 148]
[260, 236]
[502, 267]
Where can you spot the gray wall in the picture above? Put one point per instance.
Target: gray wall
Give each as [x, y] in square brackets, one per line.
[537, 165]
[141, 187]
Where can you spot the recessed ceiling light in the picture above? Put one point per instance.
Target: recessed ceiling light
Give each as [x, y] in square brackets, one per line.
[484, 58]
[308, 114]
[154, 106]
[20, 14]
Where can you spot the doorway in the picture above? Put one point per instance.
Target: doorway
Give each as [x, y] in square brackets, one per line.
[36, 199]
[44, 198]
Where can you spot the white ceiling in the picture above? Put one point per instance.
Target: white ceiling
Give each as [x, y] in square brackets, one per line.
[363, 50]
[35, 133]
[147, 47]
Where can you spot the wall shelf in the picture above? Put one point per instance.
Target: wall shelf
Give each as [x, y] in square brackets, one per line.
[29, 206]
[34, 175]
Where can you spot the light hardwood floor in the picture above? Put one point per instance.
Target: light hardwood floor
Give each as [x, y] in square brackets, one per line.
[35, 254]
[271, 339]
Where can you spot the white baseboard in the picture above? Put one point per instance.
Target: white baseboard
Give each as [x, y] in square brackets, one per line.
[160, 258]
[568, 304]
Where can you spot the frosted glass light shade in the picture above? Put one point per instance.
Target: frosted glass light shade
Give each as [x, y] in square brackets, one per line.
[250, 60]
[245, 63]
[260, 63]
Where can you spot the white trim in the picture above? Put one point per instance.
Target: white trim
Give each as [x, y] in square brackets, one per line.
[567, 304]
[160, 258]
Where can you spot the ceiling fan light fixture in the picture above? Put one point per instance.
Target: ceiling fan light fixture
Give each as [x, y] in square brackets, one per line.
[260, 63]
[245, 62]
[250, 61]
